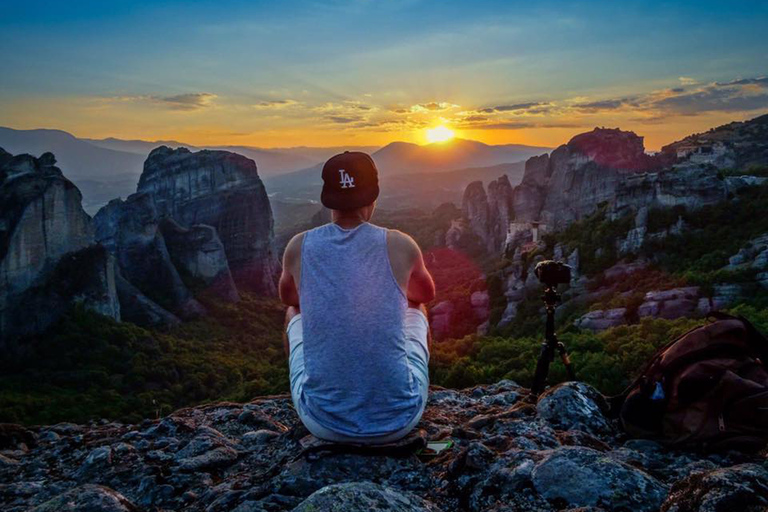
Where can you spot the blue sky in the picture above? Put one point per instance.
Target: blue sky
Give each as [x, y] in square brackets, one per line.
[283, 73]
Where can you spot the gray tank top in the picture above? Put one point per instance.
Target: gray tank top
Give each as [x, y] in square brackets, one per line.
[353, 314]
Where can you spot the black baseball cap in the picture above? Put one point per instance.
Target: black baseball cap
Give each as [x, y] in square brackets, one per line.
[350, 181]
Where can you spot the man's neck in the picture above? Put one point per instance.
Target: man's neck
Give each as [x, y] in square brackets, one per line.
[348, 222]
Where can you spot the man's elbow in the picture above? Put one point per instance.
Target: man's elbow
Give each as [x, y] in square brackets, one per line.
[287, 292]
[423, 294]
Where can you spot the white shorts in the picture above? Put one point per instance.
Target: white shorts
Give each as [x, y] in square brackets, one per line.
[416, 331]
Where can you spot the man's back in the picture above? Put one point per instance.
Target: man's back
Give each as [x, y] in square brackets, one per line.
[353, 313]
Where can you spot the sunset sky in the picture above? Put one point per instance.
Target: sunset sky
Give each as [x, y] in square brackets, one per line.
[360, 72]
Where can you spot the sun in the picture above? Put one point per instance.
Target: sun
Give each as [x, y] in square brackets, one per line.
[439, 134]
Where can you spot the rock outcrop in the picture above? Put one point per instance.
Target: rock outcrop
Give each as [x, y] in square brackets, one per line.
[47, 262]
[198, 254]
[223, 190]
[130, 229]
[200, 224]
[562, 454]
[490, 214]
[609, 170]
[738, 145]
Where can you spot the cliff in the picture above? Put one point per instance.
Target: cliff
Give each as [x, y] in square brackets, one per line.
[43, 230]
[200, 224]
[222, 190]
[509, 455]
[606, 172]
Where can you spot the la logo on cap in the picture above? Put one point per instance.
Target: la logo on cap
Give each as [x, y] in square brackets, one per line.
[347, 181]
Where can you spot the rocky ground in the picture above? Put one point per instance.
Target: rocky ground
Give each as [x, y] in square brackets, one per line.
[562, 454]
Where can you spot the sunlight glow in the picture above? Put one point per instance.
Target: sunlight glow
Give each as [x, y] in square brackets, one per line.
[439, 134]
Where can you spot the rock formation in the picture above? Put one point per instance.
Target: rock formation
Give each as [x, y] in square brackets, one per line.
[200, 223]
[47, 262]
[489, 215]
[197, 252]
[609, 169]
[561, 454]
[223, 190]
[130, 229]
[737, 145]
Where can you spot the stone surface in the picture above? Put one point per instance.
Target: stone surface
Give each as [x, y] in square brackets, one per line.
[575, 406]
[743, 488]
[600, 319]
[88, 498]
[43, 228]
[354, 497]
[509, 454]
[130, 229]
[575, 476]
[223, 190]
[199, 256]
[489, 215]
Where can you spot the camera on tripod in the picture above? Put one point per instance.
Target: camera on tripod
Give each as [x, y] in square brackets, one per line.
[552, 273]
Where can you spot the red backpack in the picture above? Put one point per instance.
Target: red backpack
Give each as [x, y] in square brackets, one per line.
[706, 389]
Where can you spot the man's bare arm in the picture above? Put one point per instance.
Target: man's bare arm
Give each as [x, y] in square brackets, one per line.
[289, 290]
[421, 286]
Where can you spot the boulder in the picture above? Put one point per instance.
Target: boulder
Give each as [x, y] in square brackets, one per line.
[602, 319]
[575, 406]
[575, 476]
[357, 496]
[743, 488]
[671, 304]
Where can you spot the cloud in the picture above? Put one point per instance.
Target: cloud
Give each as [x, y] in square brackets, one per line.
[761, 82]
[687, 80]
[602, 105]
[275, 104]
[514, 107]
[342, 119]
[188, 101]
[518, 125]
[185, 102]
[742, 95]
[433, 106]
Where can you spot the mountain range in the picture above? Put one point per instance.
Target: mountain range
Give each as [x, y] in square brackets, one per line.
[107, 168]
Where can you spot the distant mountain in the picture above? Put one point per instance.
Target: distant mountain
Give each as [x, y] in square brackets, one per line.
[270, 161]
[424, 176]
[404, 157]
[104, 169]
[142, 147]
[405, 190]
[100, 173]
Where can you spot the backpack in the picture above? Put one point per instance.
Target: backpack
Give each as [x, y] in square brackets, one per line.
[707, 389]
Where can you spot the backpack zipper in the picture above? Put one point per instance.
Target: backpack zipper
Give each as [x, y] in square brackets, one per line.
[721, 422]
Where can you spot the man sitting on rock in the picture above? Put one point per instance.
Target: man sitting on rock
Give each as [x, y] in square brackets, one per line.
[356, 325]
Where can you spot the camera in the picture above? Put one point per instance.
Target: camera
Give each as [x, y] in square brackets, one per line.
[553, 273]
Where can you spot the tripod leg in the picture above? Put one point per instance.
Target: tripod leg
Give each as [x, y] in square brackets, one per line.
[542, 369]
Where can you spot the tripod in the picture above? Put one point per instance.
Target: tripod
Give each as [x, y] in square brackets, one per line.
[547, 354]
